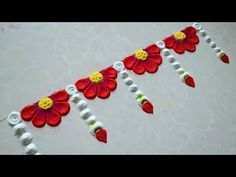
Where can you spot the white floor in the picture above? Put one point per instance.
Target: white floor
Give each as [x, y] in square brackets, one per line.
[40, 58]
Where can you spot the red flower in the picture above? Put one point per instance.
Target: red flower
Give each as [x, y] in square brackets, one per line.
[183, 40]
[47, 110]
[98, 84]
[147, 59]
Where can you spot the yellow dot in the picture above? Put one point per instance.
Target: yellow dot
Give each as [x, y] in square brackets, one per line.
[141, 54]
[45, 103]
[96, 77]
[179, 36]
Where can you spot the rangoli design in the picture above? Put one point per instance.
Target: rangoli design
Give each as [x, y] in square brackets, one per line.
[50, 110]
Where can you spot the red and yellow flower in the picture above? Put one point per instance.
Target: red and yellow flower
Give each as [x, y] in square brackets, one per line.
[147, 59]
[182, 41]
[47, 110]
[98, 84]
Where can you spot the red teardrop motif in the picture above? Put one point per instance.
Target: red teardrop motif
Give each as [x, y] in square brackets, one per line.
[101, 135]
[189, 81]
[147, 107]
[224, 58]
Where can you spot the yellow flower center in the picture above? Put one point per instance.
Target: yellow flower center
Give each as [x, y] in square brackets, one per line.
[141, 54]
[96, 77]
[45, 103]
[179, 36]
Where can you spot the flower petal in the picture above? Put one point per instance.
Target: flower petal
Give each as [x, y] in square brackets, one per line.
[39, 119]
[103, 91]
[152, 49]
[28, 111]
[82, 84]
[151, 66]
[189, 30]
[129, 62]
[53, 118]
[193, 39]
[179, 48]
[110, 83]
[139, 68]
[61, 95]
[109, 72]
[189, 47]
[156, 58]
[169, 42]
[91, 91]
[62, 108]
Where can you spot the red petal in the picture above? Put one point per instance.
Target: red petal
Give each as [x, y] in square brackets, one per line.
[62, 108]
[189, 47]
[225, 58]
[147, 107]
[28, 111]
[129, 62]
[193, 39]
[61, 95]
[103, 91]
[101, 135]
[91, 91]
[110, 83]
[152, 49]
[109, 72]
[82, 84]
[53, 118]
[169, 42]
[189, 30]
[189, 81]
[151, 66]
[39, 119]
[156, 58]
[139, 68]
[179, 48]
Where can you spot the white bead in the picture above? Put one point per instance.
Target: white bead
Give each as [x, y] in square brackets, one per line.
[182, 76]
[175, 65]
[75, 98]
[180, 71]
[217, 50]
[207, 39]
[165, 52]
[142, 99]
[202, 33]
[133, 88]
[26, 138]
[90, 119]
[124, 74]
[171, 58]
[118, 66]
[213, 44]
[95, 126]
[85, 113]
[19, 128]
[31, 149]
[71, 89]
[128, 81]
[138, 93]
[82, 105]
[14, 118]
[160, 44]
[197, 26]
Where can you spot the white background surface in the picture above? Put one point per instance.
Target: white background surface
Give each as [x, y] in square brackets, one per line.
[40, 58]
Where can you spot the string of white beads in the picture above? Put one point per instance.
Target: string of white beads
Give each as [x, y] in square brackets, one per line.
[15, 121]
[175, 64]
